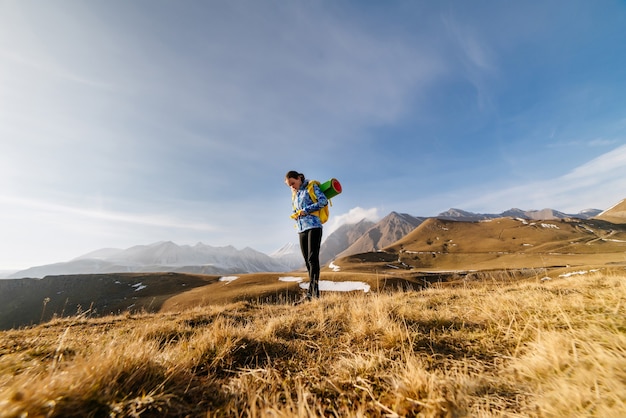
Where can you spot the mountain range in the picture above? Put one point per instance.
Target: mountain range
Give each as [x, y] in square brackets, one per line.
[163, 257]
[367, 236]
[349, 239]
[437, 251]
[537, 215]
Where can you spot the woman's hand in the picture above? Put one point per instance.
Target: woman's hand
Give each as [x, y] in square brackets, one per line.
[298, 214]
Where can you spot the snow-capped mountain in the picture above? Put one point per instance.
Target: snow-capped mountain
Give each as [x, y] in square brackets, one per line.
[289, 255]
[459, 214]
[543, 214]
[200, 258]
[163, 256]
[286, 250]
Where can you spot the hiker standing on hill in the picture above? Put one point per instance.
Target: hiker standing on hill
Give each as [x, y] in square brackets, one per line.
[308, 224]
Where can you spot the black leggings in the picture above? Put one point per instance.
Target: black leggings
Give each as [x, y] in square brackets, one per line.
[310, 242]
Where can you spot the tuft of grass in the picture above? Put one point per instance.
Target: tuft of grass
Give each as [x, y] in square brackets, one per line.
[485, 349]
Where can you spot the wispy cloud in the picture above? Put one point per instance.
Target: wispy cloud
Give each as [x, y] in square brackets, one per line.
[353, 216]
[597, 184]
[602, 142]
[100, 215]
[601, 169]
[595, 142]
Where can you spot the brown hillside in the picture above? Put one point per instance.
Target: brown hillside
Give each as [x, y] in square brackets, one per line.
[342, 239]
[540, 348]
[615, 214]
[510, 243]
[30, 301]
[384, 233]
[267, 287]
[256, 286]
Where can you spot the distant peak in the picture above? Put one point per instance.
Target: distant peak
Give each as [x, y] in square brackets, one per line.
[289, 248]
[455, 211]
[162, 243]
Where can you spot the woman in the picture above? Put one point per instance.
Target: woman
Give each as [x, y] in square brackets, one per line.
[308, 225]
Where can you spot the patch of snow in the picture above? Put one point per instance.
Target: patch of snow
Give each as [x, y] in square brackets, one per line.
[118, 282]
[576, 273]
[139, 286]
[330, 286]
[290, 279]
[334, 266]
[549, 226]
[545, 279]
[527, 245]
[228, 279]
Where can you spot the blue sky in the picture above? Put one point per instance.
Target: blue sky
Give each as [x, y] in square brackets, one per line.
[132, 122]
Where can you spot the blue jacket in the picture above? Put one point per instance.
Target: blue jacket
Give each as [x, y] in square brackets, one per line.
[302, 200]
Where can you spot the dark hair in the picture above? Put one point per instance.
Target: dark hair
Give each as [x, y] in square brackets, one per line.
[294, 175]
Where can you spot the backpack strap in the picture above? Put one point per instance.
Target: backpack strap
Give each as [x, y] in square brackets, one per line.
[311, 190]
[323, 212]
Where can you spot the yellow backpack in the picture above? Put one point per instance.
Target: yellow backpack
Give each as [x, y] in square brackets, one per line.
[323, 213]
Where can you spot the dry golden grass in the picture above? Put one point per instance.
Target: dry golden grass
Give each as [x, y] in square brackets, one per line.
[483, 349]
[507, 243]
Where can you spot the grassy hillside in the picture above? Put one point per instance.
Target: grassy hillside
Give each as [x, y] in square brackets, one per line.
[31, 301]
[507, 243]
[544, 348]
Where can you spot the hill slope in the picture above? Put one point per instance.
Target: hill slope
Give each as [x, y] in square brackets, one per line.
[491, 349]
[439, 245]
[615, 214]
[30, 301]
[385, 232]
[511, 243]
[343, 238]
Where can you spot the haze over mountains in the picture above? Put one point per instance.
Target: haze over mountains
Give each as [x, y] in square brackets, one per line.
[162, 257]
[364, 236]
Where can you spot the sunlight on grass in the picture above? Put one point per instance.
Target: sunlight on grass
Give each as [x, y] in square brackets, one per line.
[484, 349]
